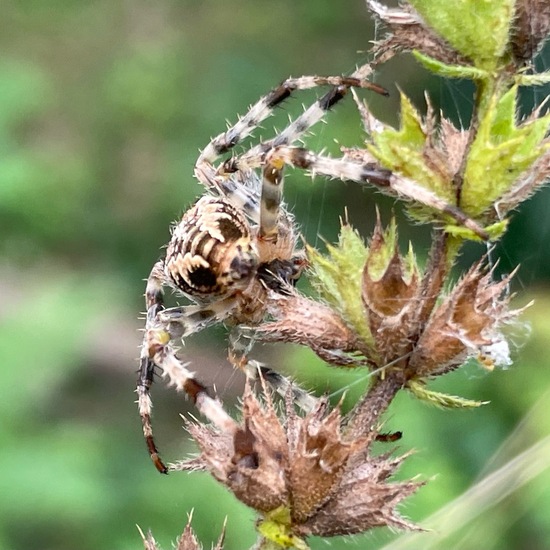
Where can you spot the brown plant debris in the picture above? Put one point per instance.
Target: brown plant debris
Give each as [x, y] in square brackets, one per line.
[407, 32]
[327, 481]
[187, 541]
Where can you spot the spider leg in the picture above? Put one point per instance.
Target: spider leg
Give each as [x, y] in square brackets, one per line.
[183, 321]
[162, 326]
[236, 179]
[183, 379]
[282, 385]
[240, 345]
[385, 180]
[263, 108]
[145, 405]
[154, 303]
[271, 197]
[294, 131]
[242, 188]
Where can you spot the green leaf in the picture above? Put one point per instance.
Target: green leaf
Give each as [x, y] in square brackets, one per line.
[442, 400]
[450, 71]
[495, 231]
[501, 149]
[402, 151]
[338, 278]
[381, 255]
[276, 529]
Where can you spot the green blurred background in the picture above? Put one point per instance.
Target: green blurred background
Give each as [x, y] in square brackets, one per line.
[103, 108]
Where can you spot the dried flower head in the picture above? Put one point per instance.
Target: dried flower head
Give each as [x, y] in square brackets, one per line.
[381, 310]
[467, 322]
[187, 541]
[304, 475]
[407, 32]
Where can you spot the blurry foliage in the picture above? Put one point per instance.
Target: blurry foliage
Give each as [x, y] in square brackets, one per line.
[103, 107]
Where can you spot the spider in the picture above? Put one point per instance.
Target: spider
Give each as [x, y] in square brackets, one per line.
[235, 250]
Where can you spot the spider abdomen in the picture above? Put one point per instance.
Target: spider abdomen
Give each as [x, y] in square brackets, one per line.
[211, 252]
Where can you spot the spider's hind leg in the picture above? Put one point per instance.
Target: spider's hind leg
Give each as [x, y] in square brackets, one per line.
[145, 405]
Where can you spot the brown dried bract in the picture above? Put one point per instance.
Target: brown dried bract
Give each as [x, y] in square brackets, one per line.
[467, 320]
[328, 481]
[409, 32]
[187, 541]
[302, 321]
[390, 297]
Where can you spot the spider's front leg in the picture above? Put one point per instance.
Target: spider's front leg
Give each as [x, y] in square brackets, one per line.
[163, 325]
[265, 106]
[225, 179]
[385, 180]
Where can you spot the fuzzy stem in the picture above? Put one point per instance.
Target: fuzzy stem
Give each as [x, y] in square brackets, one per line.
[484, 90]
[364, 417]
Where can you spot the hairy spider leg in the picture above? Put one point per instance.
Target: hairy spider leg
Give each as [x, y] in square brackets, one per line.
[385, 180]
[264, 107]
[271, 197]
[240, 345]
[235, 178]
[255, 157]
[162, 326]
[241, 188]
[154, 303]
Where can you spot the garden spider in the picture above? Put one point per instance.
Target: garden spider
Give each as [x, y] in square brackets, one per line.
[235, 250]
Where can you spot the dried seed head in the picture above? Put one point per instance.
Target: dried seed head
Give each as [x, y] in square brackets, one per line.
[463, 325]
[389, 294]
[252, 461]
[328, 484]
[318, 457]
[409, 32]
[364, 500]
[187, 541]
[397, 323]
